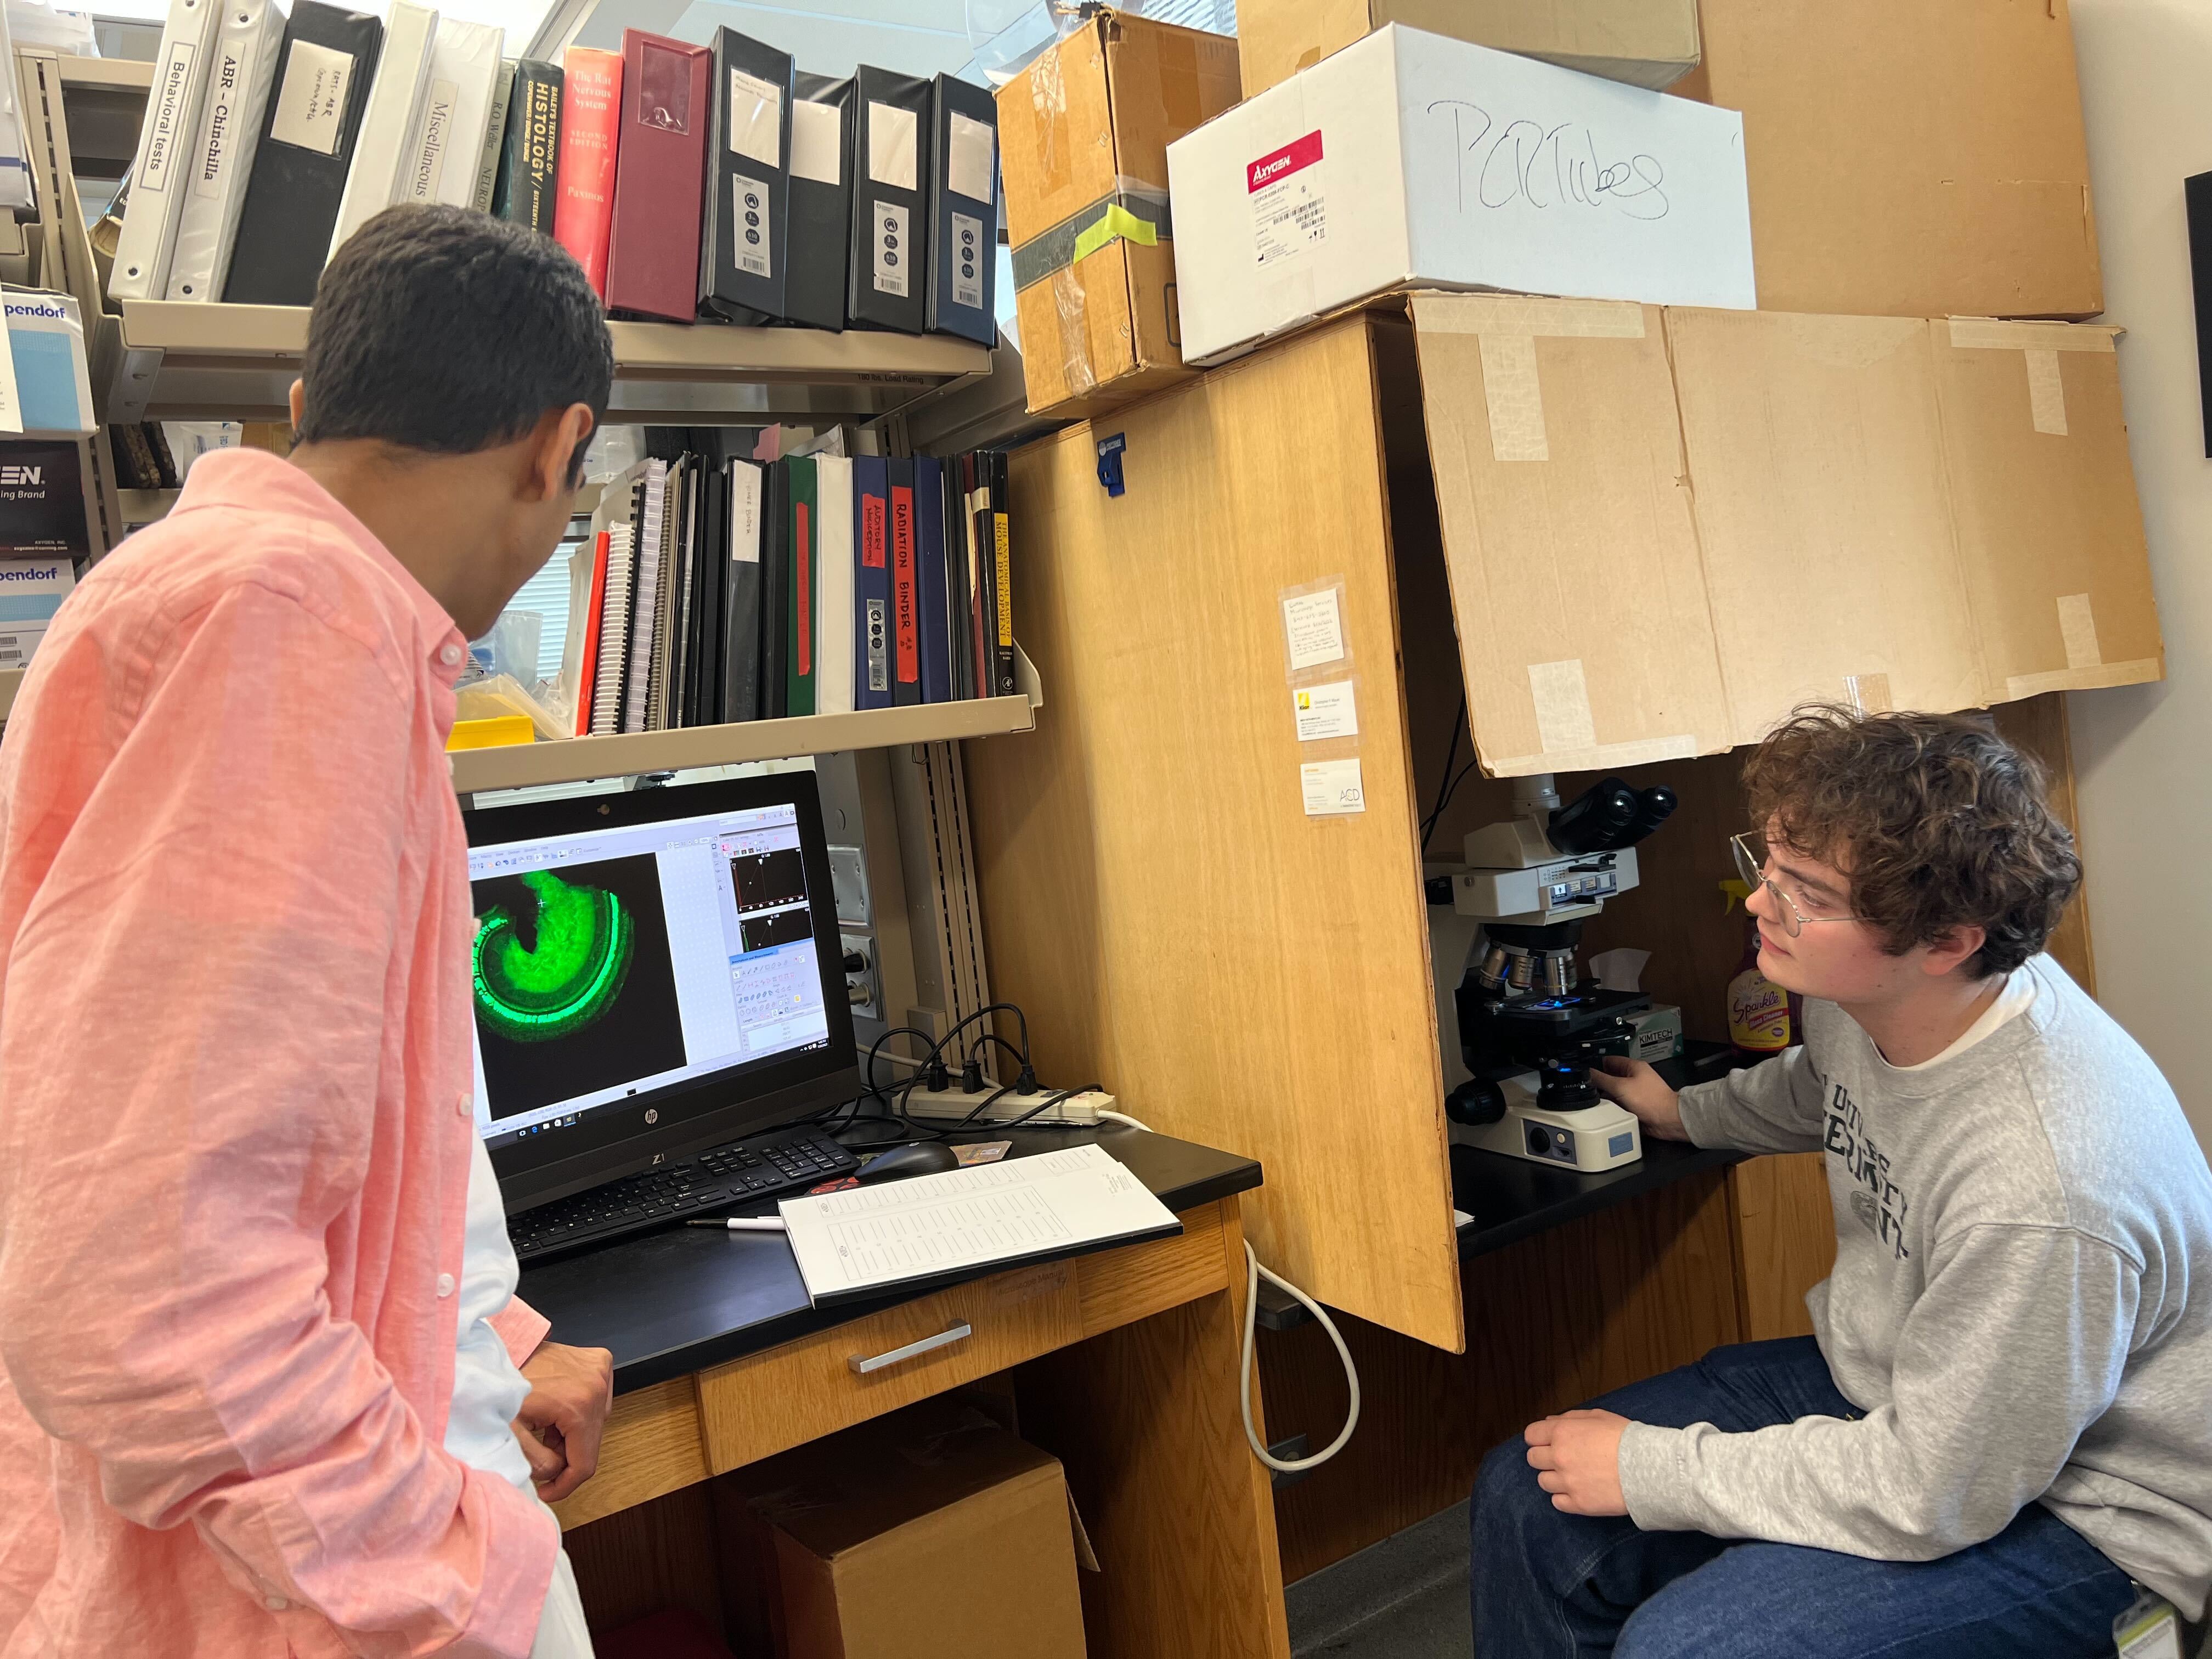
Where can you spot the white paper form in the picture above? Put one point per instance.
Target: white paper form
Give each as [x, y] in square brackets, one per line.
[873, 1237]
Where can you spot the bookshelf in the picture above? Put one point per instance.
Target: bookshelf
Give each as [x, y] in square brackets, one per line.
[526, 765]
[176, 360]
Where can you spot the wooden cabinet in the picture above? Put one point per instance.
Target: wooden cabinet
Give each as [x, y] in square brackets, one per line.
[1240, 970]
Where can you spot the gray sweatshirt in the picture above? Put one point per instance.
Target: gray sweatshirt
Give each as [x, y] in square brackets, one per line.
[2021, 1303]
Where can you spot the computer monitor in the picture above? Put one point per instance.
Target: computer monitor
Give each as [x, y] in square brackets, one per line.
[653, 972]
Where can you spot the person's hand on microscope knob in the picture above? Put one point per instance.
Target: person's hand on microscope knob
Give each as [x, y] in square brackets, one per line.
[1634, 1086]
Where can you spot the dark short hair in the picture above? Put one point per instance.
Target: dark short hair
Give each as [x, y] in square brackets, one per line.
[440, 329]
[1939, 822]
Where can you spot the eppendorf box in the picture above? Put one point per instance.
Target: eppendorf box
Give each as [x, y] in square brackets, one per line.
[1410, 160]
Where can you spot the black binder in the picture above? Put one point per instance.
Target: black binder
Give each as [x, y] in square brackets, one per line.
[821, 213]
[324, 70]
[741, 596]
[887, 285]
[744, 243]
[963, 212]
[704, 692]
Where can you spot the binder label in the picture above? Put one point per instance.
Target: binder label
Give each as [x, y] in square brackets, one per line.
[894, 249]
[664, 89]
[1289, 210]
[970, 151]
[968, 256]
[756, 118]
[311, 100]
[221, 111]
[437, 132]
[879, 662]
[162, 133]
[817, 141]
[893, 137]
[748, 226]
[903, 586]
[871, 531]
[744, 513]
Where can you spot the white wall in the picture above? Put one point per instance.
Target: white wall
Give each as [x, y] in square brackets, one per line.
[2144, 754]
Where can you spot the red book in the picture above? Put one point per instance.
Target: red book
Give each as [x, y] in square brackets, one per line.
[584, 178]
[588, 681]
[660, 168]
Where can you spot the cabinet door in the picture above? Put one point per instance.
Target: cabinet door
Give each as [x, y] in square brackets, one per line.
[1156, 895]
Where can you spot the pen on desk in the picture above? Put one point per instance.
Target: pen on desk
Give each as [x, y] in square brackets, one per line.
[740, 1224]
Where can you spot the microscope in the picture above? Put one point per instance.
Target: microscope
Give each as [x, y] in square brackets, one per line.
[1520, 1028]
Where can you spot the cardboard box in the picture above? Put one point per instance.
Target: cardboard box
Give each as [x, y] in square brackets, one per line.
[1085, 131]
[1908, 158]
[1663, 530]
[1642, 43]
[931, 1534]
[1408, 159]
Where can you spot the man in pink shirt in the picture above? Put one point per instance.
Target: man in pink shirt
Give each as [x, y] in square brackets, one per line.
[236, 1134]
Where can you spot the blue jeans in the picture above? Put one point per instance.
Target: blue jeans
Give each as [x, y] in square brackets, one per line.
[1546, 1584]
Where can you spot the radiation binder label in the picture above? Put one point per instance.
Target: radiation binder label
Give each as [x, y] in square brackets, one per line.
[894, 251]
[749, 220]
[1289, 211]
[968, 256]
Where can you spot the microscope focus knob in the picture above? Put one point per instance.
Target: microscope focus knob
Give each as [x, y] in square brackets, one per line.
[1476, 1101]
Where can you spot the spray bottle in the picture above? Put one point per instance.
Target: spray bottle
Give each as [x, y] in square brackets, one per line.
[1763, 1019]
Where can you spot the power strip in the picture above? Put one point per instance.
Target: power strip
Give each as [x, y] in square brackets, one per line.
[952, 1103]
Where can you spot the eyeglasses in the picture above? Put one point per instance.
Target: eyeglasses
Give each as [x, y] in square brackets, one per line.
[1752, 857]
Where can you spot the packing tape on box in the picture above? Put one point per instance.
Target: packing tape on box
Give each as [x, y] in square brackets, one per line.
[1568, 731]
[1132, 212]
[2040, 343]
[2085, 668]
[1506, 328]
[1866, 694]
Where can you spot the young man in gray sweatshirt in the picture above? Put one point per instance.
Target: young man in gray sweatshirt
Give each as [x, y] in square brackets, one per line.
[2006, 1413]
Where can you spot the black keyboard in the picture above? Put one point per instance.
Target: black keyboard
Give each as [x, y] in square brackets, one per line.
[720, 1178]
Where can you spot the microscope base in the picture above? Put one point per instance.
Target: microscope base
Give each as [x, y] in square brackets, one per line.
[1595, 1137]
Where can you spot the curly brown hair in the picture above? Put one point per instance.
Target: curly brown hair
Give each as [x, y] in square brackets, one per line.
[1938, 821]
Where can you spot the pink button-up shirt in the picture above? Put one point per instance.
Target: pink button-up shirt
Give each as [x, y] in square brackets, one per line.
[235, 1105]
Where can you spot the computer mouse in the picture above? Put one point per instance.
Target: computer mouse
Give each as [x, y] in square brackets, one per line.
[923, 1157]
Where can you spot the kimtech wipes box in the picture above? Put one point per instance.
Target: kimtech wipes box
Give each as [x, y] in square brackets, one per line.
[1409, 160]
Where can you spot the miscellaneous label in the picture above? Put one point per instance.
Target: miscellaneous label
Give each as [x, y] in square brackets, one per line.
[1620, 1145]
[968, 252]
[1758, 1013]
[1314, 627]
[880, 655]
[756, 118]
[1332, 788]
[745, 515]
[817, 141]
[222, 107]
[163, 132]
[42, 491]
[437, 129]
[982, 1152]
[893, 135]
[1001, 550]
[1288, 208]
[969, 152]
[893, 250]
[748, 226]
[311, 100]
[2148, 1630]
[1326, 711]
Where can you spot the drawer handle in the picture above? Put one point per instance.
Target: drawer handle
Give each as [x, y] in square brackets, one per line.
[912, 1351]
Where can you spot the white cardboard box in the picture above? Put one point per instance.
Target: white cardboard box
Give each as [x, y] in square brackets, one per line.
[1413, 160]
